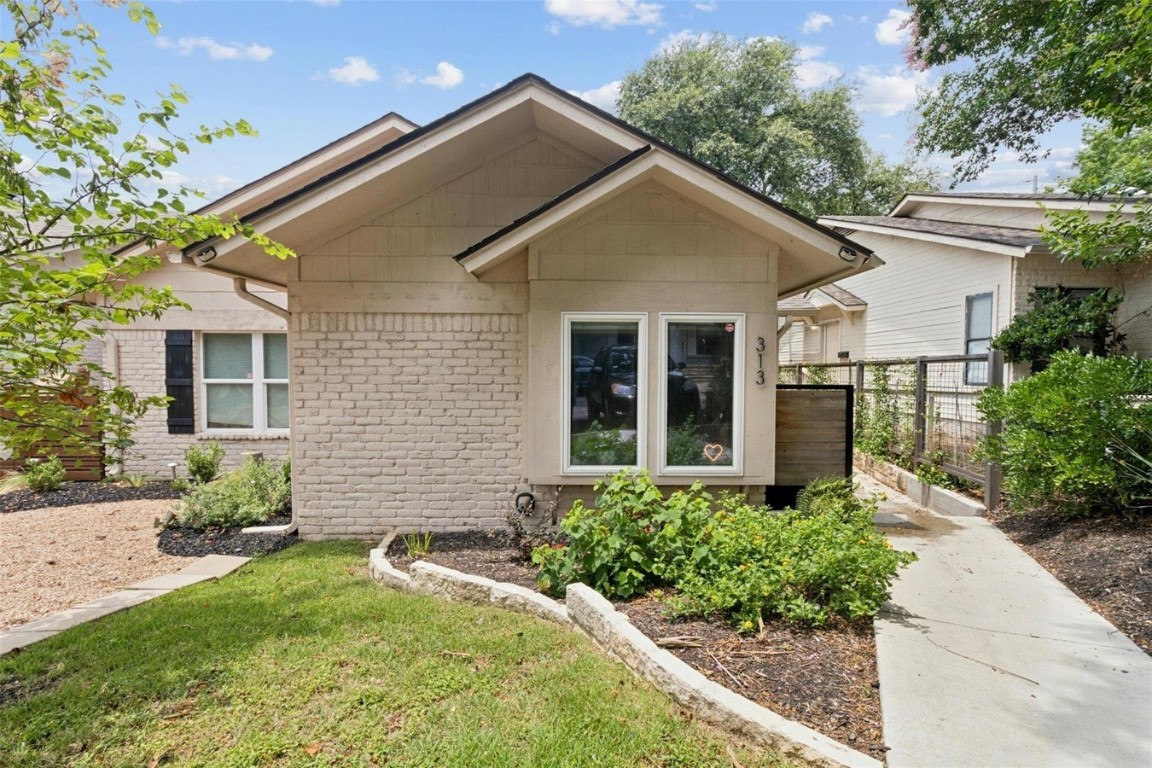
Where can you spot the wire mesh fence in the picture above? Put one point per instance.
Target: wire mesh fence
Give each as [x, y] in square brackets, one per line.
[918, 411]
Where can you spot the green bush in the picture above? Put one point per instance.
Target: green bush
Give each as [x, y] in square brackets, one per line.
[725, 556]
[204, 463]
[1060, 320]
[602, 447]
[632, 539]
[1067, 430]
[246, 496]
[45, 474]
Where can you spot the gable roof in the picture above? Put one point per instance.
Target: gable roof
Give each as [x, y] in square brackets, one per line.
[1013, 241]
[842, 296]
[614, 142]
[1052, 200]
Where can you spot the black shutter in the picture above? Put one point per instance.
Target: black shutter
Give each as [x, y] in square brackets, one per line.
[178, 381]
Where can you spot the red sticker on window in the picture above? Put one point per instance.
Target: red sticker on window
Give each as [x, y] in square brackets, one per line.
[730, 327]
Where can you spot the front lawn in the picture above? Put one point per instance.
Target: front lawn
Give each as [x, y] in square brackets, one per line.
[300, 659]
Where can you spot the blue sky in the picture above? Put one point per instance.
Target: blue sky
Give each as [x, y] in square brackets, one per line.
[305, 72]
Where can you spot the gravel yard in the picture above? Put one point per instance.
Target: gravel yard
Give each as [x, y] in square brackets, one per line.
[57, 557]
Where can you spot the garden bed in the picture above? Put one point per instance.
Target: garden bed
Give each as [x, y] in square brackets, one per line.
[176, 539]
[80, 493]
[1106, 561]
[824, 678]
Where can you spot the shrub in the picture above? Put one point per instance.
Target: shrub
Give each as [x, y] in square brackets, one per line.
[1060, 320]
[246, 496]
[632, 539]
[45, 474]
[1066, 429]
[602, 447]
[204, 462]
[833, 495]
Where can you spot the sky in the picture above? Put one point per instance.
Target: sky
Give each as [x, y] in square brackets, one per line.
[305, 72]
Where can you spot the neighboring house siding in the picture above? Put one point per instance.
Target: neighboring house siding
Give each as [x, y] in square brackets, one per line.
[1045, 271]
[916, 301]
[1135, 315]
[405, 420]
[141, 366]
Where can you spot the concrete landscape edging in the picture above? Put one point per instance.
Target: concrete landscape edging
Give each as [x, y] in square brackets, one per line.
[939, 500]
[589, 612]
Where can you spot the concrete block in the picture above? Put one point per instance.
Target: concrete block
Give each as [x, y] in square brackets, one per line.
[213, 566]
[19, 638]
[171, 581]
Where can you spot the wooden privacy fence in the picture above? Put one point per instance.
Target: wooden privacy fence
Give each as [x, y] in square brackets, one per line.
[80, 462]
[813, 432]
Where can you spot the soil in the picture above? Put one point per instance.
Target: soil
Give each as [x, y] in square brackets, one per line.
[76, 494]
[826, 678]
[176, 539]
[1106, 561]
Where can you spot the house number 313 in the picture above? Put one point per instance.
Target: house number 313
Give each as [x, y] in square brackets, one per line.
[760, 361]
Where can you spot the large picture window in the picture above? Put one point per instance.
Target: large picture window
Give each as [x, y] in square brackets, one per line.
[605, 392]
[701, 394]
[245, 382]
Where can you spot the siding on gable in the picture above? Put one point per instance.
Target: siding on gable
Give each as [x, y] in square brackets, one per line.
[1031, 217]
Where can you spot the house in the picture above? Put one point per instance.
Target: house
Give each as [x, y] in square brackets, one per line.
[518, 297]
[960, 266]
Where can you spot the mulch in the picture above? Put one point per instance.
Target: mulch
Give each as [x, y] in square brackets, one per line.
[824, 678]
[180, 540]
[75, 494]
[1106, 561]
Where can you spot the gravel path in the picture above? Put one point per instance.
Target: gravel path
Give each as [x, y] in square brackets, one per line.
[54, 558]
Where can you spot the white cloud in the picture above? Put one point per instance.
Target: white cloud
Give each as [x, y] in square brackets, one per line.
[888, 94]
[894, 29]
[447, 76]
[552, 27]
[811, 72]
[604, 97]
[816, 21]
[707, 7]
[686, 37]
[325, 3]
[606, 13]
[186, 46]
[356, 70]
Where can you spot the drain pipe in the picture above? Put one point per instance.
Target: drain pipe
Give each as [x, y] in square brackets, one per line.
[788, 321]
[240, 286]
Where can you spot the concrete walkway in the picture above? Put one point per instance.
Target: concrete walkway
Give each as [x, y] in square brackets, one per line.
[204, 569]
[987, 660]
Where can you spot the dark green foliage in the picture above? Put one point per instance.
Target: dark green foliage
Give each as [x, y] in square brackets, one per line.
[45, 474]
[599, 447]
[1059, 320]
[1067, 431]
[204, 462]
[246, 496]
[831, 495]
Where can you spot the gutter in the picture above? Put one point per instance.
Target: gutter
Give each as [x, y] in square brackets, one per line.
[240, 286]
[788, 322]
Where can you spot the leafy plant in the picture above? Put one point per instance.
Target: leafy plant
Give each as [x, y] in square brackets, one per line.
[133, 479]
[632, 539]
[1064, 429]
[1059, 320]
[12, 482]
[828, 495]
[817, 374]
[245, 496]
[418, 544]
[204, 462]
[44, 474]
[685, 447]
[601, 447]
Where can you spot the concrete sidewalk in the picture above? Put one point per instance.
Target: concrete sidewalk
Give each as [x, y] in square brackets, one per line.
[987, 660]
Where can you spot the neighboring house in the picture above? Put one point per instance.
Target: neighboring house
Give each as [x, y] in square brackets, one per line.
[960, 266]
[225, 360]
[520, 296]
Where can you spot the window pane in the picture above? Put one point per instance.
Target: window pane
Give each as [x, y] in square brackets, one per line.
[275, 356]
[979, 317]
[229, 406]
[603, 401]
[277, 404]
[699, 381]
[227, 356]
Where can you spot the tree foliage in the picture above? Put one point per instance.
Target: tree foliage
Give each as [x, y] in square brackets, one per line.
[1059, 319]
[737, 107]
[83, 204]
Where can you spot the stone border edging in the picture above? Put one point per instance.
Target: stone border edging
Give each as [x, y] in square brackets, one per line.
[589, 612]
[939, 500]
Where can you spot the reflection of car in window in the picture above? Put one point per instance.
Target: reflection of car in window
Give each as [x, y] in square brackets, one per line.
[581, 367]
[611, 389]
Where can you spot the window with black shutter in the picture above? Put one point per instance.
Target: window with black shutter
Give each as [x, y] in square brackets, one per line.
[178, 382]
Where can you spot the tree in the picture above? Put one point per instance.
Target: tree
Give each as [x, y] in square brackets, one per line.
[82, 208]
[736, 106]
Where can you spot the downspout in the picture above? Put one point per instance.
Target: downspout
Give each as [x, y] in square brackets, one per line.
[788, 321]
[240, 286]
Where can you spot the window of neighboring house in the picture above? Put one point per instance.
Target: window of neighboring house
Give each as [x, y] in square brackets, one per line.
[605, 391]
[701, 394]
[245, 381]
[977, 336]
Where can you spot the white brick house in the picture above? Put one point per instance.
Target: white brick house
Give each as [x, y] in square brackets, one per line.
[520, 296]
[960, 266]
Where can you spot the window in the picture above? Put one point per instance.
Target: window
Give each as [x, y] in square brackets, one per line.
[701, 394]
[245, 381]
[977, 336]
[605, 392]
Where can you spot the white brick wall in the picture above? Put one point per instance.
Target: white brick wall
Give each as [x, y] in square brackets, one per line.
[409, 420]
[141, 364]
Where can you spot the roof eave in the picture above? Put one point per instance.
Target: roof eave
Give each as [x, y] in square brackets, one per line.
[960, 242]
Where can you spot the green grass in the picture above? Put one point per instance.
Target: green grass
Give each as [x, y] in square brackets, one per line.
[300, 659]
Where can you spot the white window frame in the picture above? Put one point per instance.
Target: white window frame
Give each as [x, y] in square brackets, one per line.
[567, 319]
[737, 467]
[258, 381]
